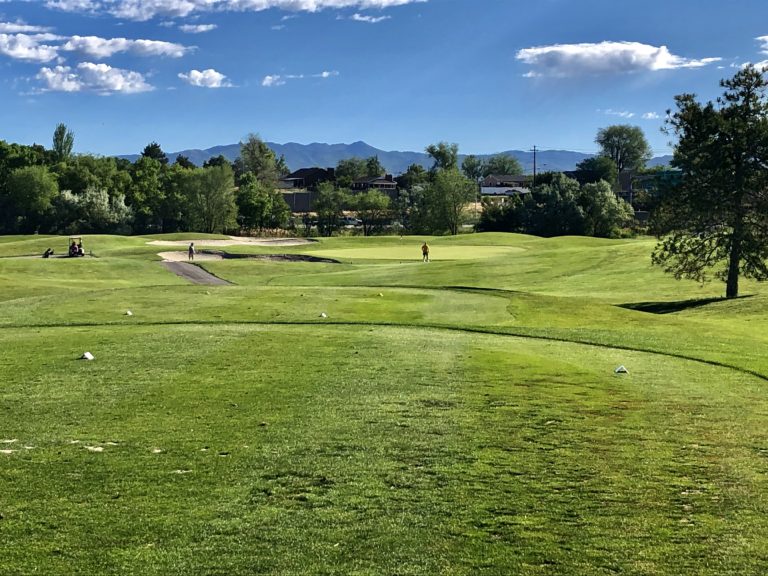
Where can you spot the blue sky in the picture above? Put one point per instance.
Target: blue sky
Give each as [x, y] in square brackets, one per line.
[490, 75]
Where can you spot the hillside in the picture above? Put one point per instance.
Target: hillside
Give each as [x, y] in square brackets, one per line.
[396, 162]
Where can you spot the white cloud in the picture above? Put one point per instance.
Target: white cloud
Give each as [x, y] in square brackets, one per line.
[60, 79]
[206, 78]
[619, 113]
[651, 116]
[272, 80]
[74, 5]
[99, 78]
[278, 26]
[147, 9]
[764, 41]
[279, 80]
[368, 19]
[27, 47]
[106, 47]
[561, 60]
[20, 27]
[197, 28]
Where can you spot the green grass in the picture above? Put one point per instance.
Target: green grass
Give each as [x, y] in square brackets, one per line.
[460, 417]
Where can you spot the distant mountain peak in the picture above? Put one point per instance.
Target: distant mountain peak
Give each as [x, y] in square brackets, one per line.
[396, 162]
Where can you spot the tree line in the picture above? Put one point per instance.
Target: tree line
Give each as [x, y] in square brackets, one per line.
[55, 191]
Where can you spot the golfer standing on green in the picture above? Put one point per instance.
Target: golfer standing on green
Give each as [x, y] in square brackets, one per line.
[425, 252]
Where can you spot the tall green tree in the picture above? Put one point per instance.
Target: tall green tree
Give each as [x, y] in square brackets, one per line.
[446, 200]
[372, 209]
[502, 164]
[259, 207]
[715, 218]
[28, 198]
[374, 168]
[599, 168]
[552, 209]
[94, 211]
[350, 169]
[258, 159]
[329, 206]
[445, 156]
[184, 162]
[605, 214]
[210, 194]
[146, 194]
[63, 142]
[154, 151]
[219, 160]
[472, 167]
[625, 145]
[282, 166]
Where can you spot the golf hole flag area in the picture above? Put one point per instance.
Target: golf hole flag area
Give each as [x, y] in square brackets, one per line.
[550, 406]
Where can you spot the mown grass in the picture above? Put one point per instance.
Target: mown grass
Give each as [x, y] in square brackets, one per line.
[459, 417]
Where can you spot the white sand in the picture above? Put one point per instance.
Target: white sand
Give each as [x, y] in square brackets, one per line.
[234, 241]
[183, 256]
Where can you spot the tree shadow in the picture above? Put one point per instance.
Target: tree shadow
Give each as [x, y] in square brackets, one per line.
[671, 307]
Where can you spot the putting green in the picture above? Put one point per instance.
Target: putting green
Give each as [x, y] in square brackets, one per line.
[412, 251]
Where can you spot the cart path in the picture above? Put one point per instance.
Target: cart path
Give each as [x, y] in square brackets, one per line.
[194, 274]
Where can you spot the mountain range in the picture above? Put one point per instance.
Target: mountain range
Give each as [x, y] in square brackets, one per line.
[395, 162]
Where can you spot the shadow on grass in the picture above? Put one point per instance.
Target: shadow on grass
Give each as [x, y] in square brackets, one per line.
[675, 306]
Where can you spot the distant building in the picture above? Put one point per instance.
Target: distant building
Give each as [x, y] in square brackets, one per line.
[378, 183]
[385, 184]
[508, 180]
[502, 193]
[306, 179]
[500, 187]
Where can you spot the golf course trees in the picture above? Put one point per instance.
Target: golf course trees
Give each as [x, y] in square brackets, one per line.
[605, 214]
[472, 167]
[444, 155]
[93, 211]
[63, 141]
[553, 209]
[350, 169]
[625, 145]
[445, 200]
[210, 196]
[258, 159]
[259, 207]
[598, 168]
[475, 168]
[28, 197]
[715, 218]
[146, 193]
[329, 204]
[372, 209]
[154, 151]
[501, 164]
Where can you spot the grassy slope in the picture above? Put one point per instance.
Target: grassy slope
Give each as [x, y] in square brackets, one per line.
[390, 443]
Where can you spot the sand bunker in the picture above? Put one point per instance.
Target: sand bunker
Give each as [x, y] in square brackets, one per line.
[235, 241]
[182, 256]
[208, 255]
